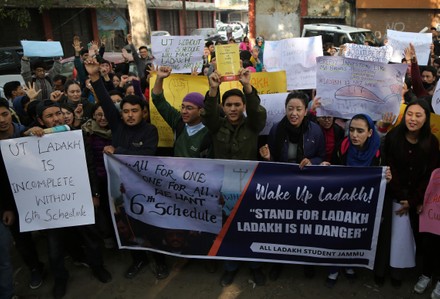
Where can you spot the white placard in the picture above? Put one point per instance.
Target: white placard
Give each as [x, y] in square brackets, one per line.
[179, 52]
[368, 53]
[49, 180]
[400, 40]
[42, 49]
[297, 56]
[350, 86]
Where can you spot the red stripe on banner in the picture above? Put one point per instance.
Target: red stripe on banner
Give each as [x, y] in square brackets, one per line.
[218, 241]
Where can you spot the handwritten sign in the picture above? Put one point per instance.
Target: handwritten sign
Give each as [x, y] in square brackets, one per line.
[179, 52]
[430, 216]
[400, 40]
[297, 56]
[228, 61]
[368, 53]
[436, 99]
[49, 180]
[350, 86]
[42, 49]
[264, 83]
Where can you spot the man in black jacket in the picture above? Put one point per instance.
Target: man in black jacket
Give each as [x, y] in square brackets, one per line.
[131, 135]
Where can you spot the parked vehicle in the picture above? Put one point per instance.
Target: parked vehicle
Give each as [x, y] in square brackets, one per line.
[209, 34]
[339, 34]
[10, 60]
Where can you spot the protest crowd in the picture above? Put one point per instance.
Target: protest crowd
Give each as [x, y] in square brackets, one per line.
[111, 106]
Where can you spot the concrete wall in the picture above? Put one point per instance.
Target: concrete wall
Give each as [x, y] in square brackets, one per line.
[379, 20]
[277, 19]
[326, 8]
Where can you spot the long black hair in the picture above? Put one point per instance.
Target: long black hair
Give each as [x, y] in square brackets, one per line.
[398, 134]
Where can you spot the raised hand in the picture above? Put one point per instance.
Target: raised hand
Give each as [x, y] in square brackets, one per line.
[129, 39]
[92, 68]
[163, 72]
[77, 45]
[30, 91]
[56, 96]
[244, 76]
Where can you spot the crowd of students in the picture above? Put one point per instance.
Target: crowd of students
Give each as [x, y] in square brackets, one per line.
[111, 108]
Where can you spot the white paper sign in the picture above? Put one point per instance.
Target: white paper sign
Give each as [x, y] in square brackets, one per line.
[436, 99]
[42, 49]
[179, 52]
[274, 104]
[399, 40]
[368, 53]
[49, 180]
[297, 56]
[350, 86]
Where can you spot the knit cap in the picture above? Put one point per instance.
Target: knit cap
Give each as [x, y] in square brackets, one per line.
[195, 98]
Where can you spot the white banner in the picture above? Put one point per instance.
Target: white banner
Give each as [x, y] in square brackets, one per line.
[49, 180]
[179, 52]
[297, 56]
[368, 53]
[400, 40]
[350, 86]
[169, 197]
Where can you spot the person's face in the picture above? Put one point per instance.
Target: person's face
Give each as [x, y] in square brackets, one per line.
[58, 85]
[19, 91]
[40, 72]
[260, 43]
[68, 116]
[428, 77]
[255, 53]
[129, 91]
[104, 68]
[116, 81]
[325, 121]
[74, 92]
[132, 114]
[99, 117]
[190, 113]
[85, 56]
[206, 51]
[143, 53]
[234, 109]
[295, 112]
[359, 132]
[5, 119]
[51, 117]
[332, 51]
[115, 98]
[415, 118]
[211, 48]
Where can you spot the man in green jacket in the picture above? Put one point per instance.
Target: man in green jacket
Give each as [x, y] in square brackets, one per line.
[191, 137]
[235, 137]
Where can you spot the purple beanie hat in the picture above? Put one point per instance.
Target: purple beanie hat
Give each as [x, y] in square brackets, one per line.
[195, 98]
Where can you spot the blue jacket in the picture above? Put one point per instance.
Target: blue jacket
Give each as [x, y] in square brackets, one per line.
[313, 143]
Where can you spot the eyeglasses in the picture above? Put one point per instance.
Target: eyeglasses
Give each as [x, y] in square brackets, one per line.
[188, 108]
